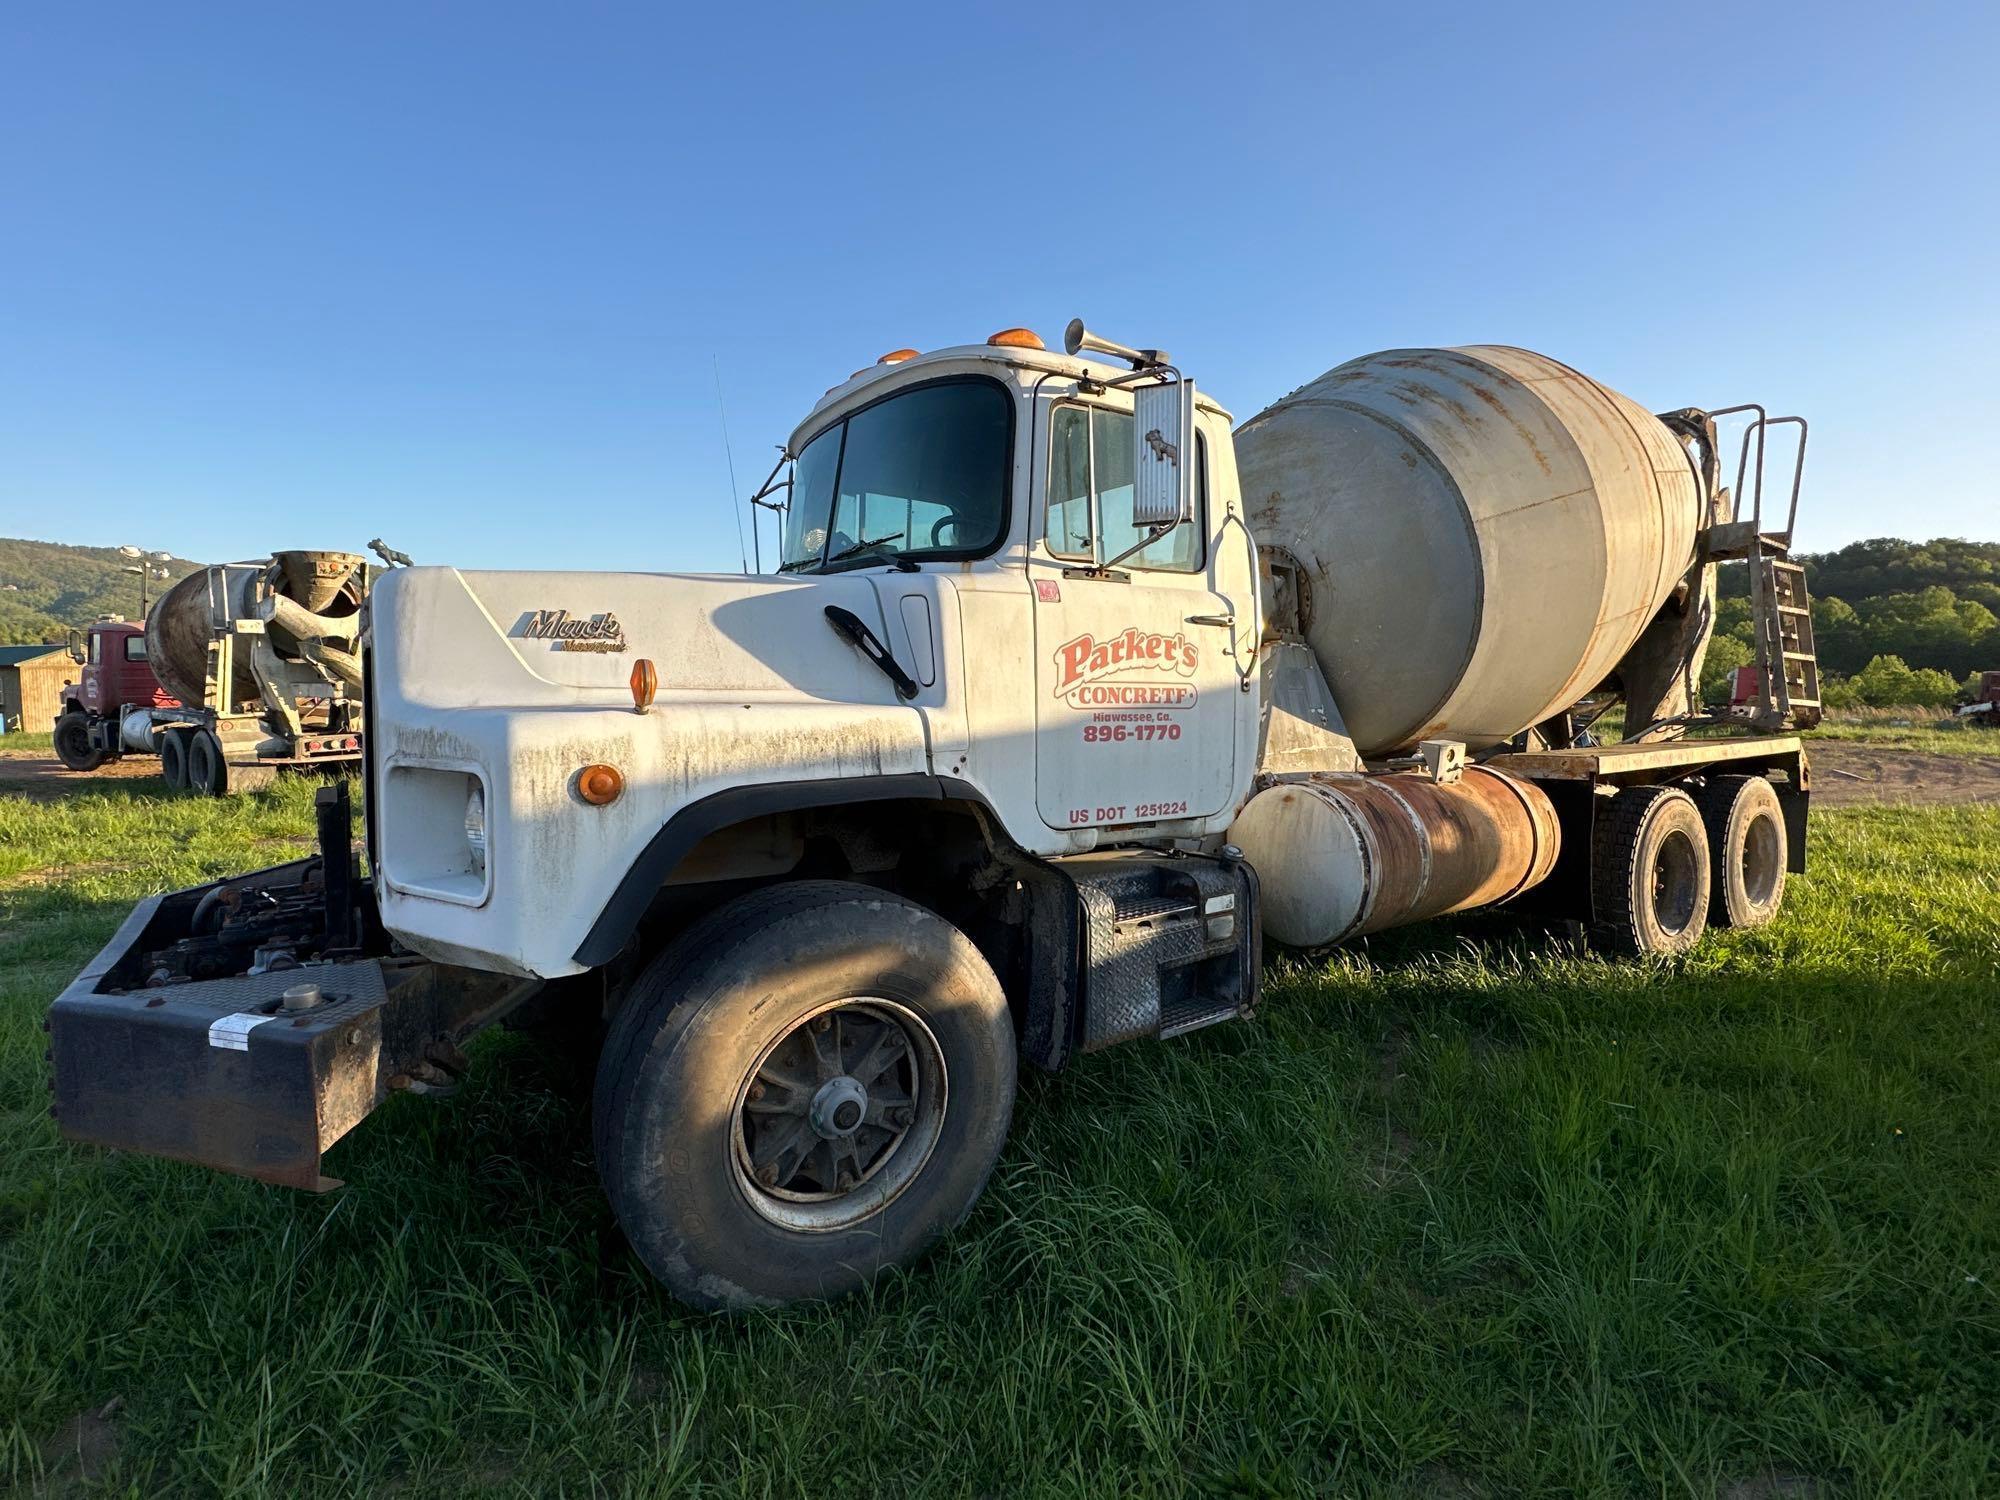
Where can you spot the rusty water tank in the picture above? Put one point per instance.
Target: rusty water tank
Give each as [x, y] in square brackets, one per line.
[202, 605]
[1338, 856]
[1483, 533]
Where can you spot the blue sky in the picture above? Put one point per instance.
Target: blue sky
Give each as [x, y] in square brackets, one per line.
[464, 275]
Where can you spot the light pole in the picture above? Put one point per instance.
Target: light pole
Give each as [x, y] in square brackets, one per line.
[145, 565]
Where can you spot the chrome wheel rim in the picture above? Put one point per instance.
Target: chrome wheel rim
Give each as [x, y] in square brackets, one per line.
[838, 1114]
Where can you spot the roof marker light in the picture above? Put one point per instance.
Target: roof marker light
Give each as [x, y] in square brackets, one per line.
[1017, 338]
[896, 356]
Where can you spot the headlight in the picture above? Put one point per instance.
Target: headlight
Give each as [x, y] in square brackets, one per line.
[475, 827]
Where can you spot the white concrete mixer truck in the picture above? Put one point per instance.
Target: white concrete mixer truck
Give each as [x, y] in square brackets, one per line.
[242, 670]
[1061, 701]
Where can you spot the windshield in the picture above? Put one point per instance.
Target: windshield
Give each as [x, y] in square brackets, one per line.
[922, 474]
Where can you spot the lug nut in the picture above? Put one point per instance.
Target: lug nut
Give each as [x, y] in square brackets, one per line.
[900, 1117]
[845, 1182]
[768, 1176]
[756, 1092]
[823, 1024]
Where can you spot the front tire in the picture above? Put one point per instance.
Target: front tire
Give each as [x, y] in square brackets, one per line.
[1649, 873]
[808, 1086]
[73, 747]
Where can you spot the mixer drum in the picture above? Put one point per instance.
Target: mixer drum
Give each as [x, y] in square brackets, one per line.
[1483, 532]
[184, 619]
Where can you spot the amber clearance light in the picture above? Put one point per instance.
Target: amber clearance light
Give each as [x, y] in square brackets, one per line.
[599, 784]
[645, 683]
[1017, 338]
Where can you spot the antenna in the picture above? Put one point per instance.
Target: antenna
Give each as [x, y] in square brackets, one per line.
[729, 453]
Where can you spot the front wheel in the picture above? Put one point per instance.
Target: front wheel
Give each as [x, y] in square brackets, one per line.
[73, 747]
[808, 1086]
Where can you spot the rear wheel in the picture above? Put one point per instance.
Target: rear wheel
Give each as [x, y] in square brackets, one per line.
[73, 747]
[206, 772]
[174, 758]
[1649, 874]
[1747, 850]
[810, 1085]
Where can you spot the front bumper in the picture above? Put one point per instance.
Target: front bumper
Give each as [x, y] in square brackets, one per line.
[216, 1071]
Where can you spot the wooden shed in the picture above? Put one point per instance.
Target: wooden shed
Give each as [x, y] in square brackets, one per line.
[31, 683]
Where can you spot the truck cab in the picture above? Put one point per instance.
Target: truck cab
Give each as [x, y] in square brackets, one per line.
[116, 681]
[112, 654]
[964, 610]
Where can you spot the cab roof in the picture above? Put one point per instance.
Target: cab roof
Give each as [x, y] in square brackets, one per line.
[864, 386]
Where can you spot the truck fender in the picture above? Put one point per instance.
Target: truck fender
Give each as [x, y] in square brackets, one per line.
[628, 903]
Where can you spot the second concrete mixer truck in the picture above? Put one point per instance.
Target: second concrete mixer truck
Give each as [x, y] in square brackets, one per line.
[1062, 700]
[241, 670]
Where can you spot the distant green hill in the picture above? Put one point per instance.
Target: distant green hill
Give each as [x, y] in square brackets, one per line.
[47, 587]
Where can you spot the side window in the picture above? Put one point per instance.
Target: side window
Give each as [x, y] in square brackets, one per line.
[1069, 528]
[96, 648]
[135, 648]
[1090, 495]
[812, 497]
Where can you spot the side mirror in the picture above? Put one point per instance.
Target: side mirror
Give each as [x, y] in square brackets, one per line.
[1163, 454]
[74, 642]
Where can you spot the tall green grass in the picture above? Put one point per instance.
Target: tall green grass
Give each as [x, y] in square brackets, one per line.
[1458, 1214]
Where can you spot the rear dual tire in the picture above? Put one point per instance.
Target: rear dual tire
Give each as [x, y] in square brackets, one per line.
[207, 772]
[1748, 850]
[807, 1087]
[174, 759]
[1666, 865]
[210, 773]
[1649, 873]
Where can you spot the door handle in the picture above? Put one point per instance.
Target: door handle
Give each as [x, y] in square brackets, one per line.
[1210, 620]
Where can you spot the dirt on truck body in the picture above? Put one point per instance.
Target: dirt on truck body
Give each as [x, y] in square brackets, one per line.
[1062, 699]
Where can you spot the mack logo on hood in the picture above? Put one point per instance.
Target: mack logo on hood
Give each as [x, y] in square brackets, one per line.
[1147, 661]
[597, 633]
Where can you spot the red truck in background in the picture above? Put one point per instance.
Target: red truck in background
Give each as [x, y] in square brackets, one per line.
[117, 675]
[1984, 709]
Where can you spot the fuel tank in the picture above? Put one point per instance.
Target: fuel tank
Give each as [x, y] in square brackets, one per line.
[1482, 533]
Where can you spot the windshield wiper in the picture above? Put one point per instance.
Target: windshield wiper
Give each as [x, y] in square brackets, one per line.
[843, 553]
[873, 541]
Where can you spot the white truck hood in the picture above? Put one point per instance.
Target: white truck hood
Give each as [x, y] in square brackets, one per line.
[516, 680]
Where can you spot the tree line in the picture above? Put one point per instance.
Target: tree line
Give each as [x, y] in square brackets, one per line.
[1895, 622]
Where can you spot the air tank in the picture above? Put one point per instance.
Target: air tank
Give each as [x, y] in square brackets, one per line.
[1482, 532]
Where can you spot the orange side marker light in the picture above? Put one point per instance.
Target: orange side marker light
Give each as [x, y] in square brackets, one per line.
[599, 784]
[645, 683]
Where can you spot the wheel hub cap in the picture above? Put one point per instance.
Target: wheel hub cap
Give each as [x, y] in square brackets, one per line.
[839, 1114]
[837, 1107]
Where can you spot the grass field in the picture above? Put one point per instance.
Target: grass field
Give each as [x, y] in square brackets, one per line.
[1455, 1216]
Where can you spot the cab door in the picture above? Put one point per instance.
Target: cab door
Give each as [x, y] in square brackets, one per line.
[1136, 690]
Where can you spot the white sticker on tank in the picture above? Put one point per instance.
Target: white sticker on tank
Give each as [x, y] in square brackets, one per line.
[233, 1032]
